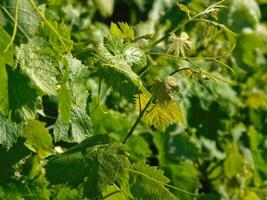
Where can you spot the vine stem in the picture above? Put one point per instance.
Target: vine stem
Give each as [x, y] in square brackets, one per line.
[180, 69]
[15, 27]
[138, 120]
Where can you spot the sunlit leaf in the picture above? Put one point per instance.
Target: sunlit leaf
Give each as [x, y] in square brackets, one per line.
[162, 115]
[122, 30]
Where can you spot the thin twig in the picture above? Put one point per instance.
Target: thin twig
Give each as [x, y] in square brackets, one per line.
[15, 27]
[138, 120]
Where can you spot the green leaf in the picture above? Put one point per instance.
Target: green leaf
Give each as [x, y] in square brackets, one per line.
[139, 148]
[101, 165]
[250, 54]
[28, 20]
[4, 104]
[246, 11]
[79, 128]
[163, 115]
[114, 193]
[250, 195]
[256, 99]
[23, 99]
[260, 164]
[81, 124]
[5, 58]
[38, 138]
[78, 75]
[123, 31]
[64, 103]
[148, 182]
[234, 162]
[38, 65]
[59, 37]
[126, 52]
[115, 67]
[134, 56]
[9, 132]
[11, 157]
[184, 175]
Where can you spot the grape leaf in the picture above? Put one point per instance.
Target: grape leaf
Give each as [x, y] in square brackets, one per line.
[73, 123]
[100, 166]
[6, 55]
[163, 90]
[79, 128]
[114, 193]
[234, 162]
[259, 161]
[38, 138]
[78, 75]
[39, 66]
[64, 103]
[3, 89]
[9, 132]
[123, 31]
[58, 38]
[148, 182]
[127, 52]
[28, 20]
[5, 58]
[23, 99]
[115, 67]
[162, 115]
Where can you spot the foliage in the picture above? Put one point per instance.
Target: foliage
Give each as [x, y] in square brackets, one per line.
[160, 100]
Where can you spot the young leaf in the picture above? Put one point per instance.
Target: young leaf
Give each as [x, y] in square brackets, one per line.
[131, 54]
[123, 31]
[163, 90]
[141, 100]
[115, 67]
[163, 115]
